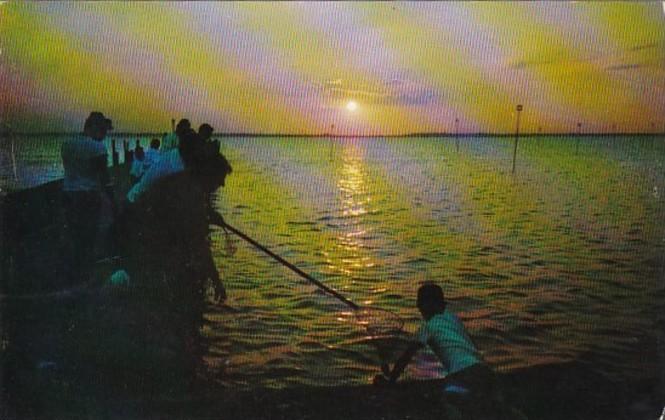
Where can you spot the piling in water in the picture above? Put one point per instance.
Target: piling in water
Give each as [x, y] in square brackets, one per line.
[517, 134]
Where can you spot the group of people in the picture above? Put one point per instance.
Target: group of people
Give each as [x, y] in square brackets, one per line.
[159, 233]
[88, 189]
[161, 236]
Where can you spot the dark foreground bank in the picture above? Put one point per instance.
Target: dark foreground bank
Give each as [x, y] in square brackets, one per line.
[565, 391]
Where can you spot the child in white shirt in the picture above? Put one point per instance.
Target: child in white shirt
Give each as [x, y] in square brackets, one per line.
[469, 383]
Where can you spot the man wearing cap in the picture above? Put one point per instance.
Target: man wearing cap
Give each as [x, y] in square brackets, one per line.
[85, 161]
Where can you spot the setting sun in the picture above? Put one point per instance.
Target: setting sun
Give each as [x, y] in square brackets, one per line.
[351, 106]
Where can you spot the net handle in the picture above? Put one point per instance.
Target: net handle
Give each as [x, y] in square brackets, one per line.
[290, 266]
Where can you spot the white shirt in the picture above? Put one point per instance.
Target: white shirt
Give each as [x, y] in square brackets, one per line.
[169, 163]
[446, 336]
[78, 155]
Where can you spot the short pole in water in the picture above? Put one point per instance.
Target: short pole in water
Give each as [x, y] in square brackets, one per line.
[517, 134]
[114, 153]
[457, 134]
[11, 137]
[579, 133]
[126, 152]
[332, 128]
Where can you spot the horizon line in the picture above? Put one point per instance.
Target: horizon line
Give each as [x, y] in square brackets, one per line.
[331, 135]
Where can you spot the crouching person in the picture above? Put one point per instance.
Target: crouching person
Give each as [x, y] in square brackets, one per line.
[469, 389]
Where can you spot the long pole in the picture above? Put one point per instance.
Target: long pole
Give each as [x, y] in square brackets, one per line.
[291, 266]
[517, 134]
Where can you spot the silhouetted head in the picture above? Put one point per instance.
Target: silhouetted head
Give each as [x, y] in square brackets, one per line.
[188, 144]
[97, 125]
[205, 131]
[210, 167]
[430, 300]
[155, 143]
[183, 125]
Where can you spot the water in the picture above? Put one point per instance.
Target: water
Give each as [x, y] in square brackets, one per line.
[562, 260]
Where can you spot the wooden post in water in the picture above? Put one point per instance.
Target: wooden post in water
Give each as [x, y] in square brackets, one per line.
[172, 124]
[457, 134]
[138, 150]
[579, 133]
[330, 138]
[14, 167]
[517, 134]
[114, 154]
[127, 153]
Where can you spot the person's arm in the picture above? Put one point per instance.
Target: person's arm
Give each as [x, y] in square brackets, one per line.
[214, 218]
[390, 377]
[403, 361]
[100, 164]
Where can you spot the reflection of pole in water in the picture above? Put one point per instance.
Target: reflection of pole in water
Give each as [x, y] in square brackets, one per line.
[517, 134]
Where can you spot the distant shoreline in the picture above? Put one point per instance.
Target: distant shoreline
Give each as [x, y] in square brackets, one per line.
[448, 135]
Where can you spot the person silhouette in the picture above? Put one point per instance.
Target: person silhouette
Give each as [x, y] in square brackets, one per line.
[164, 247]
[85, 161]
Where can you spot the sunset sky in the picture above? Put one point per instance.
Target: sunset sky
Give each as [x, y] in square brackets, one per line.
[366, 68]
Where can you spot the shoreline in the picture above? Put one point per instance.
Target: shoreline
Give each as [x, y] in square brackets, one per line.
[545, 392]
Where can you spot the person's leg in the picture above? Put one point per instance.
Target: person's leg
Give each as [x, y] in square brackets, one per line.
[458, 403]
[82, 219]
[474, 392]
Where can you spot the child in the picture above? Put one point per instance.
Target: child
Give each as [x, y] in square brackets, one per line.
[469, 380]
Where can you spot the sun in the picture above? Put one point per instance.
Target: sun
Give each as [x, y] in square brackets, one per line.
[351, 106]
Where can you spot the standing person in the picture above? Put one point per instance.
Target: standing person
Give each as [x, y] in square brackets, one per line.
[85, 161]
[143, 160]
[172, 141]
[165, 248]
[136, 170]
[152, 154]
[470, 383]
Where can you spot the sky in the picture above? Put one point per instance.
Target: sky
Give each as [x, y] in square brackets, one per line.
[365, 68]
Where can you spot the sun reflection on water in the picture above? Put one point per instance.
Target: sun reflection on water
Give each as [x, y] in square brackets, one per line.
[354, 199]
